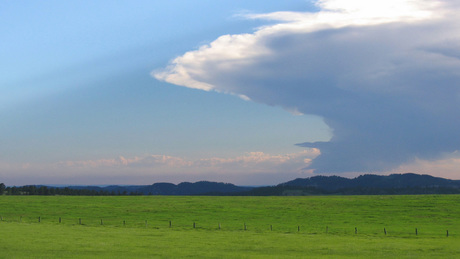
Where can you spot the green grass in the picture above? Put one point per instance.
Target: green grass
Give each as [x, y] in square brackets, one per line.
[22, 236]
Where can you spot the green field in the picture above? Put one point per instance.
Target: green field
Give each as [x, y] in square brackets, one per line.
[230, 227]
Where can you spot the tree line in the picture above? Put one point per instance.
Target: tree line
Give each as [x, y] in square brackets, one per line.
[45, 190]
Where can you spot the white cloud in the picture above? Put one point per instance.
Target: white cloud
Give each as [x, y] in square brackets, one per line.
[229, 52]
[383, 74]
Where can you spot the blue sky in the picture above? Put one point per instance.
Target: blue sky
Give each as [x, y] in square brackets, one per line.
[249, 92]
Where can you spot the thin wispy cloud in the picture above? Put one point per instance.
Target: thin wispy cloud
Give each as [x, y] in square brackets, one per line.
[383, 74]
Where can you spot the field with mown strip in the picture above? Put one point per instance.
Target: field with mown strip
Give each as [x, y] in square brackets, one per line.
[230, 227]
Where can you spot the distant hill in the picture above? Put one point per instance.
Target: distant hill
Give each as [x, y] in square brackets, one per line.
[368, 184]
[185, 188]
[408, 183]
[198, 188]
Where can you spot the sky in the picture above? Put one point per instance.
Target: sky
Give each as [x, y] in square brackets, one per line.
[247, 92]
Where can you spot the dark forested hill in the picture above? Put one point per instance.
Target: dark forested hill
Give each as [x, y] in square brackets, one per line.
[408, 180]
[365, 184]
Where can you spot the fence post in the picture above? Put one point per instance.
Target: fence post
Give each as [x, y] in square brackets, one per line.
[416, 231]
[384, 230]
[124, 223]
[356, 230]
[245, 226]
[298, 228]
[102, 222]
[194, 225]
[59, 219]
[271, 228]
[39, 219]
[170, 224]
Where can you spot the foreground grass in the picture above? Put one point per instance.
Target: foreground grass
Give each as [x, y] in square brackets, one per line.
[41, 241]
[298, 227]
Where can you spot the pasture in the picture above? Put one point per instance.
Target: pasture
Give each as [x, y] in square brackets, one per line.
[418, 226]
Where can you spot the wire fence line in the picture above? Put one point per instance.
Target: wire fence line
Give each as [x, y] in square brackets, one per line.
[230, 226]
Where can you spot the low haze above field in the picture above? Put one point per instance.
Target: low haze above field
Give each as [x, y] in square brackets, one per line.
[248, 92]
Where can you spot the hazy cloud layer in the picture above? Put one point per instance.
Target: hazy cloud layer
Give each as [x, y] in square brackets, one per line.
[244, 169]
[446, 167]
[384, 75]
[251, 162]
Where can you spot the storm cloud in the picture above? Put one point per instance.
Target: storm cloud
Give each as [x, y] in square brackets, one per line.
[384, 76]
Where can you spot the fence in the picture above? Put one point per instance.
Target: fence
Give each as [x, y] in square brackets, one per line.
[232, 226]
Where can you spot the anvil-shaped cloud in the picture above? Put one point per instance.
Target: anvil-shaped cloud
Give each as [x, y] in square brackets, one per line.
[384, 75]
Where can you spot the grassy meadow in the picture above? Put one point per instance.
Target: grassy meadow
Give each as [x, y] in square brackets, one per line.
[230, 227]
